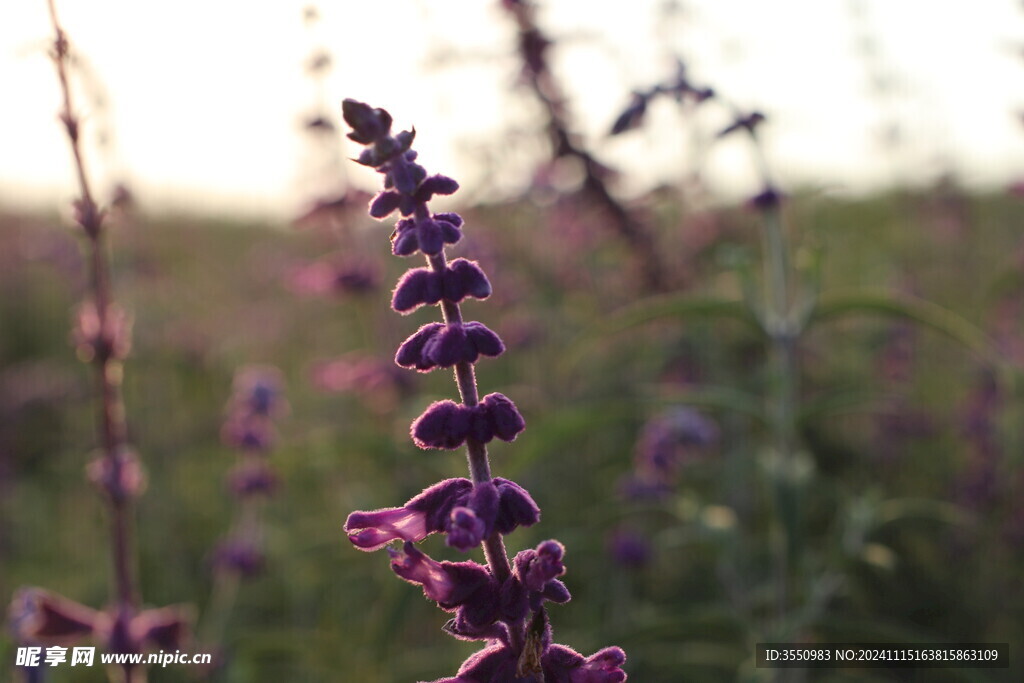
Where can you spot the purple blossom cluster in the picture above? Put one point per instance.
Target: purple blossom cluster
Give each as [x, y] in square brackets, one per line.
[667, 442]
[256, 401]
[501, 603]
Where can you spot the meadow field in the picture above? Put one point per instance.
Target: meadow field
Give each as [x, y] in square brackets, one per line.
[760, 407]
[909, 521]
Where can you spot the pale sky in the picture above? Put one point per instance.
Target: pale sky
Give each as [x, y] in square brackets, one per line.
[205, 97]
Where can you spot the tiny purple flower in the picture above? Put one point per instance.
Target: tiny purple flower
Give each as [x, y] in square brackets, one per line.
[628, 548]
[238, 556]
[251, 478]
[451, 585]
[121, 477]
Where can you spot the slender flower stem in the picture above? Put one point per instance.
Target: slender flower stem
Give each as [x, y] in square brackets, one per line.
[108, 369]
[532, 46]
[783, 333]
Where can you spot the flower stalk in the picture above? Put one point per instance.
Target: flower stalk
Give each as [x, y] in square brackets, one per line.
[502, 602]
[102, 337]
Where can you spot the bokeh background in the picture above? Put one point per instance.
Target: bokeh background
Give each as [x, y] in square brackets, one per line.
[239, 237]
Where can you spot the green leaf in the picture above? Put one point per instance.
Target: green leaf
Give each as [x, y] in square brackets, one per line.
[714, 397]
[670, 306]
[920, 311]
[900, 509]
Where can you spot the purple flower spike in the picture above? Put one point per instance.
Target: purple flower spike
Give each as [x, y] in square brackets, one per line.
[509, 614]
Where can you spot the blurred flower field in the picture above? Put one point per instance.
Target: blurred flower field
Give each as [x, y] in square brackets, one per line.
[648, 440]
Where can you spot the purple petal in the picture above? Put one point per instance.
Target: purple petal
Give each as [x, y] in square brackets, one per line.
[508, 423]
[560, 662]
[450, 584]
[556, 592]
[167, 627]
[430, 236]
[384, 204]
[411, 354]
[416, 567]
[484, 341]
[449, 217]
[39, 615]
[494, 664]
[413, 290]
[449, 346]
[373, 530]
[436, 184]
[602, 667]
[515, 507]
[404, 241]
[444, 424]
[465, 278]
[368, 124]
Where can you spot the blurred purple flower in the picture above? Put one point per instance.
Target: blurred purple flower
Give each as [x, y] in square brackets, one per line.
[628, 548]
[238, 556]
[331, 276]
